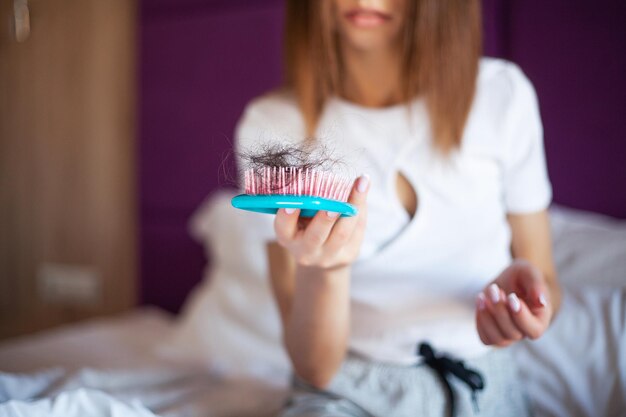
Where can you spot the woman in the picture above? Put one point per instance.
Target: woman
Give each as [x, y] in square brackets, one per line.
[451, 246]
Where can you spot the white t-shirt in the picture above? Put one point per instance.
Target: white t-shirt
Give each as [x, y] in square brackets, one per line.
[417, 278]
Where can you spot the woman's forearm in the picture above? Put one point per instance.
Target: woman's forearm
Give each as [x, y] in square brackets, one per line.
[315, 305]
[317, 326]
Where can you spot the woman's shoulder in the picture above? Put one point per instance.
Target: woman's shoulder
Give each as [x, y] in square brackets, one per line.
[278, 104]
[504, 83]
[270, 116]
[505, 103]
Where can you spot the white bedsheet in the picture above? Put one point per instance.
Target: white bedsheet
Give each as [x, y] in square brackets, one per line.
[165, 391]
[113, 342]
[110, 367]
[80, 402]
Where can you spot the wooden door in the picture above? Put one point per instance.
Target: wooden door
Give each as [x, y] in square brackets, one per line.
[67, 175]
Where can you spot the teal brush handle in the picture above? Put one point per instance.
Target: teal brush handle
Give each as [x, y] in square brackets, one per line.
[307, 205]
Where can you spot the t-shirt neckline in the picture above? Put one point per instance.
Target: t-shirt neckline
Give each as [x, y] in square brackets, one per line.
[390, 110]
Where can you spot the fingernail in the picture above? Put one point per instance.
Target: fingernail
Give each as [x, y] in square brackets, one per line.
[480, 301]
[332, 214]
[514, 302]
[494, 293]
[290, 210]
[364, 181]
[542, 299]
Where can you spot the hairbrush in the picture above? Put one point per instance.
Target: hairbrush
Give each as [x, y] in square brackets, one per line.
[268, 189]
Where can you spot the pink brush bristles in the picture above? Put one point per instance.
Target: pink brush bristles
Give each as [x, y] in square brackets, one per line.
[296, 181]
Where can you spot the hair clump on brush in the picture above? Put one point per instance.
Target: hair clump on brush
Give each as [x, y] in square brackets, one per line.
[301, 169]
[297, 156]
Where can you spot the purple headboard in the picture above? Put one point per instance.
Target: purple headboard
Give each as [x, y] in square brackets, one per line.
[573, 51]
[201, 61]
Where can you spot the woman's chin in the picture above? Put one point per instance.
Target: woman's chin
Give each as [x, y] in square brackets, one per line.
[368, 42]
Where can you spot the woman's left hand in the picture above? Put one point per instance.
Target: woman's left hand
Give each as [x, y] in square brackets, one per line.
[514, 306]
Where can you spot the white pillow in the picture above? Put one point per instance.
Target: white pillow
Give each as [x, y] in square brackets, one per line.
[230, 321]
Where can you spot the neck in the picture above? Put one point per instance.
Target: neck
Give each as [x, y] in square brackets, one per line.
[372, 77]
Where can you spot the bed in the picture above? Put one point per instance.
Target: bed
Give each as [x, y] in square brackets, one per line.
[149, 362]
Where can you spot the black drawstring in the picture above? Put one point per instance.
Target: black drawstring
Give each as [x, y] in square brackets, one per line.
[444, 366]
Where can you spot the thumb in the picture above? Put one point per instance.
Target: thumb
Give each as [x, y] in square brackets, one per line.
[360, 188]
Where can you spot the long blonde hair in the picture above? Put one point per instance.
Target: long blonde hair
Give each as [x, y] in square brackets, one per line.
[441, 46]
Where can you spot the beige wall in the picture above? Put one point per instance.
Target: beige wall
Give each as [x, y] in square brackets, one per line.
[67, 155]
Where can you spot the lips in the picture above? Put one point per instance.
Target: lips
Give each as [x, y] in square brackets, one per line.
[367, 17]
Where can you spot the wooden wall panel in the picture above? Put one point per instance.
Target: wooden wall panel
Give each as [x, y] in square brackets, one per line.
[67, 155]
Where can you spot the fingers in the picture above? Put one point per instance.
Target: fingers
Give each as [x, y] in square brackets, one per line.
[497, 306]
[502, 320]
[358, 195]
[325, 240]
[359, 230]
[530, 325]
[486, 326]
[352, 228]
[529, 284]
[286, 225]
[319, 228]
[488, 330]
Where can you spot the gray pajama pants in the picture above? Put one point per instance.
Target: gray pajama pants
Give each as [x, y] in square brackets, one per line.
[367, 389]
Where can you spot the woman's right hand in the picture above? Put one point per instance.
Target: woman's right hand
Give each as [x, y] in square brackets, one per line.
[327, 241]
